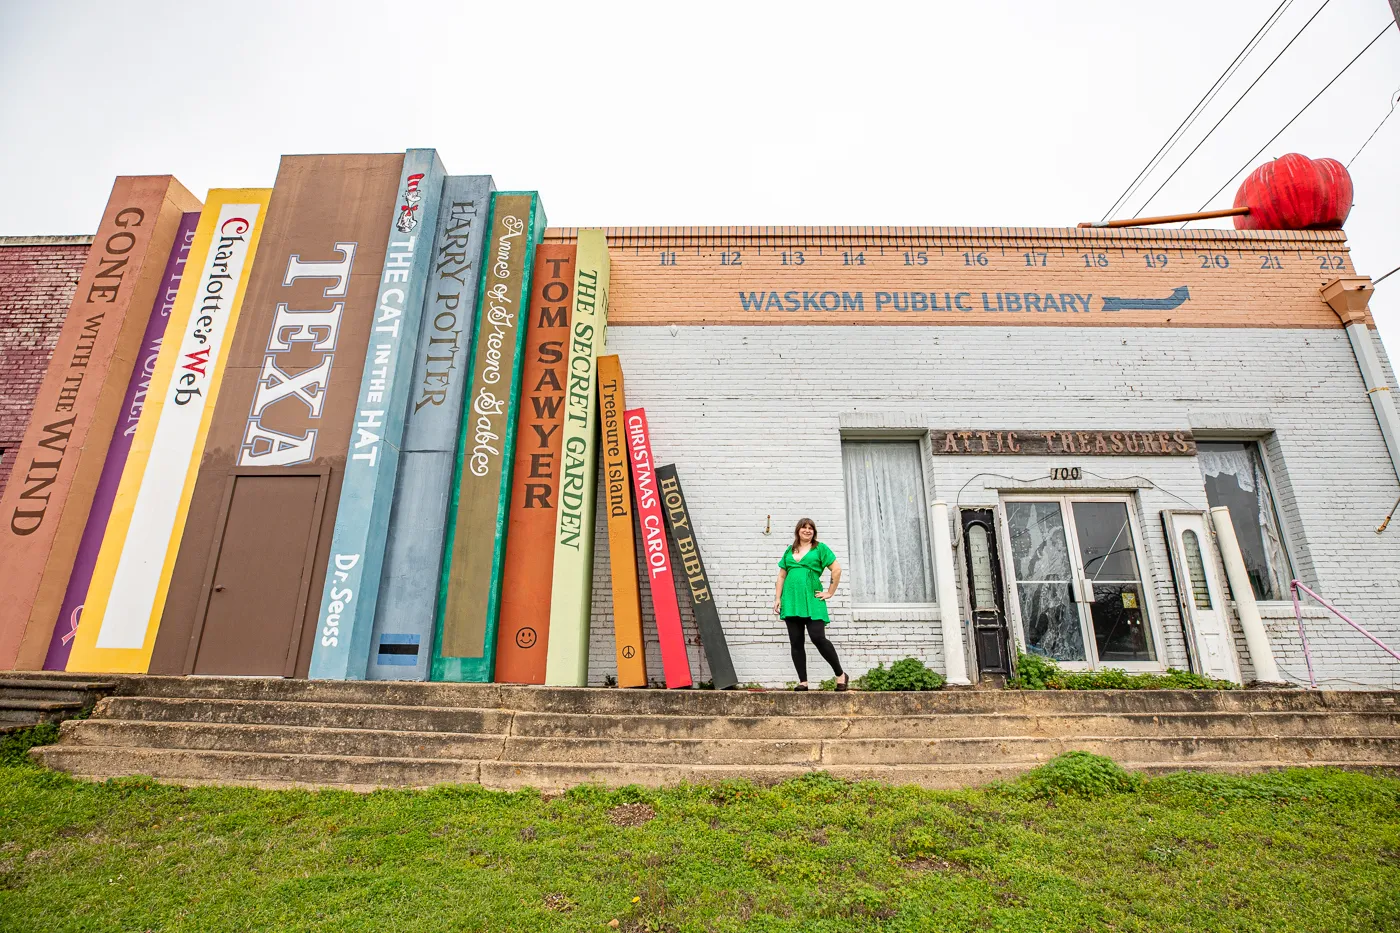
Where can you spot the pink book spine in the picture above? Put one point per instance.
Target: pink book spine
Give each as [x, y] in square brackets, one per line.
[674, 662]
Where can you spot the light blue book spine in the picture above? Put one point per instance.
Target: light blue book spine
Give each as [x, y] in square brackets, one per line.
[402, 643]
[353, 576]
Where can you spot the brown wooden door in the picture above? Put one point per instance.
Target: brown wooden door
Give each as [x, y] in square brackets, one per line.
[256, 596]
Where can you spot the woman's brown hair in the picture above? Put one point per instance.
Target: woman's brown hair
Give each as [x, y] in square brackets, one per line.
[796, 532]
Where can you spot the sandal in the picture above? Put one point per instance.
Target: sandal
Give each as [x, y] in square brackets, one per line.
[800, 688]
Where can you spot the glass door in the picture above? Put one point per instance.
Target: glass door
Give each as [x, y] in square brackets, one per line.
[1079, 589]
[1112, 586]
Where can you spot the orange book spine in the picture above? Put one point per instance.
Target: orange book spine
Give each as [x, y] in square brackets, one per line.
[622, 550]
[521, 648]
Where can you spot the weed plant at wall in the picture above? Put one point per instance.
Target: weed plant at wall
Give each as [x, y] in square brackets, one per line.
[1034, 672]
[909, 674]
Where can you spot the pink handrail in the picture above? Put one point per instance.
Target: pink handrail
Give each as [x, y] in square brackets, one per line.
[1297, 585]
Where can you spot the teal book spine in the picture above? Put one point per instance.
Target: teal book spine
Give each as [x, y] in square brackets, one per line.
[469, 599]
[341, 649]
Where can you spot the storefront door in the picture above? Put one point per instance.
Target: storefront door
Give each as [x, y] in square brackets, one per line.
[1078, 585]
[985, 591]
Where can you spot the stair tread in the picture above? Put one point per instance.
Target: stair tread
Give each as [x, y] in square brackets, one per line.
[27, 703]
[41, 683]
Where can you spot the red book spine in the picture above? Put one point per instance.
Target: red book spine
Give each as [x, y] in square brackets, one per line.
[674, 662]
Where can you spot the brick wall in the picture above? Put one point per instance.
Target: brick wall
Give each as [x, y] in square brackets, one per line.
[37, 279]
[753, 418]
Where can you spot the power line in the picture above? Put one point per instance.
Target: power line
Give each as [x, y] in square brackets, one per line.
[1251, 159]
[1232, 108]
[1394, 99]
[1201, 104]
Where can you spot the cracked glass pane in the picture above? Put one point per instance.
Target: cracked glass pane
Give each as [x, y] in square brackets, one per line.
[1040, 556]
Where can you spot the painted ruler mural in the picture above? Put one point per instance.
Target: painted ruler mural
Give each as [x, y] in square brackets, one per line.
[656, 557]
[342, 645]
[1017, 276]
[243, 593]
[534, 497]
[702, 597]
[401, 646]
[138, 391]
[622, 545]
[571, 598]
[59, 464]
[470, 597]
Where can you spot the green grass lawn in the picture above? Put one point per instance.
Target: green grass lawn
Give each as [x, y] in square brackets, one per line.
[1315, 851]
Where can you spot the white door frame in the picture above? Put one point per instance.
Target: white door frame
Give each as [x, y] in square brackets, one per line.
[1086, 624]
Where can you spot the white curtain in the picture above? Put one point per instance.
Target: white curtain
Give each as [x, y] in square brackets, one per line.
[887, 516]
[1251, 510]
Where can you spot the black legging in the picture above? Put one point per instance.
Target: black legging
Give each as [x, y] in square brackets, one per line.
[816, 630]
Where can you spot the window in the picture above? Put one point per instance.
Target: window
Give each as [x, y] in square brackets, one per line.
[1235, 478]
[1079, 590]
[887, 515]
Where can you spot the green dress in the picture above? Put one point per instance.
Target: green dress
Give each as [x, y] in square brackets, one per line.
[803, 582]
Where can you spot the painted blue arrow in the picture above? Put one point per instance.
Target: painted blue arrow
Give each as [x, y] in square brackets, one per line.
[1179, 297]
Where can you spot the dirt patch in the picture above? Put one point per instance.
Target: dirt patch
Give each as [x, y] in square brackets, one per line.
[558, 902]
[631, 814]
[928, 864]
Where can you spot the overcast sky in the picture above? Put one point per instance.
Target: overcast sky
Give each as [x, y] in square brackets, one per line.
[988, 113]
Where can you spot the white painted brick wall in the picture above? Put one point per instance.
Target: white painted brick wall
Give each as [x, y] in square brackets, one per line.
[752, 418]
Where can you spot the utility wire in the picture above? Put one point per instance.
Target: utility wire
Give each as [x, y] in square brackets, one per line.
[1201, 104]
[1386, 276]
[1251, 159]
[1232, 108]
[1394, 99]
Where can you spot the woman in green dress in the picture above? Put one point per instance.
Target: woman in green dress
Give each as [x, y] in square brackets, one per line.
[801, 601]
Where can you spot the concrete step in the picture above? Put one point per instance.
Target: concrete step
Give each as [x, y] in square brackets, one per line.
[1178, 751]
[1181, 750]
[15, 720]
[224, 767]
[557, 776]
[735, 752]
[746, 703]
[298, 740]
[37, 688]
[330, 715]
[952, 725]
[34, 711]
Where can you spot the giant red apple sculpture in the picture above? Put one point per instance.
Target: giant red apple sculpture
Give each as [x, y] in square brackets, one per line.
[1294, 192]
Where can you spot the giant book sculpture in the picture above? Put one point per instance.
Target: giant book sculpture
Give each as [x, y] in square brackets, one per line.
[470, 596]
[401, 647]
[129, 585]
[534, 497]
[622, 546]
[243, 597]
[351, 591]
[138, 390]
[702, 598]
[656, 556]
[571, 595]
[57, 468]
